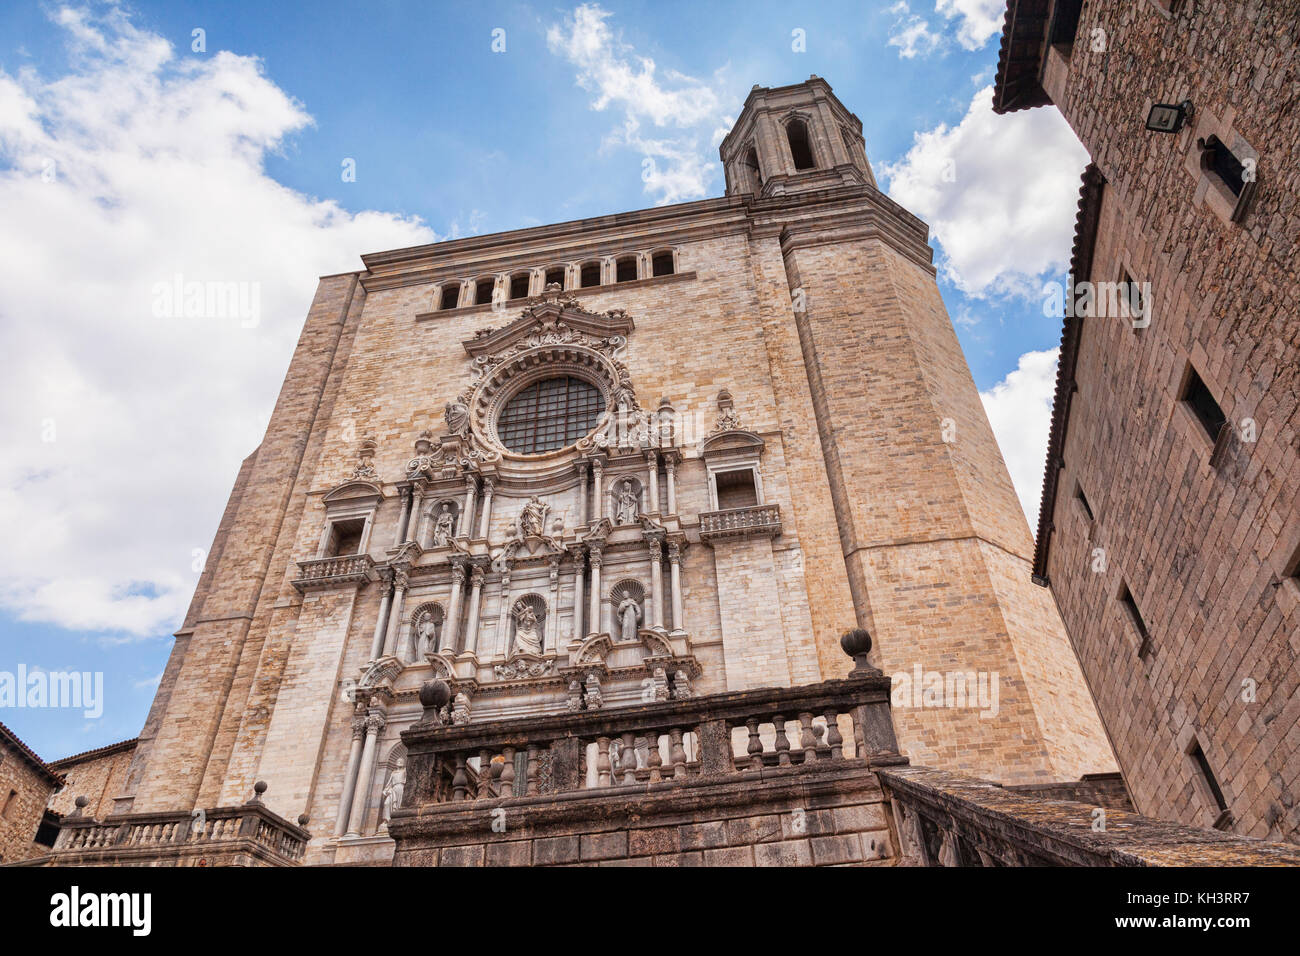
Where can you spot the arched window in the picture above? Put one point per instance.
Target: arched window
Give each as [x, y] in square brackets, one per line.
[753, 175]
[549, 415]
[555, 276]
[590, 274]
[519, 285]
[626, 269]
[796, 131]
[483, 291]
[450, 296]
[662, 263]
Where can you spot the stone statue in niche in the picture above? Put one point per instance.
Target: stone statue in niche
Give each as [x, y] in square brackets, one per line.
[445, 527]
[629, 615]
[393, 791]
[528, 635]
[626, 504]
[532, 520]
[428, 632]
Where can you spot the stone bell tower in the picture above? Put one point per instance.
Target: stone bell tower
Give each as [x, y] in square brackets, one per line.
[935, 549]
[794, 139]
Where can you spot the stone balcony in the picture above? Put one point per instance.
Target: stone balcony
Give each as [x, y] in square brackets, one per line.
[332, 572]
[248, 835]
[741, 522]
[765, 776]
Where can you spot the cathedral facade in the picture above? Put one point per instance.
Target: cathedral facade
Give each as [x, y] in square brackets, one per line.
[639, 458]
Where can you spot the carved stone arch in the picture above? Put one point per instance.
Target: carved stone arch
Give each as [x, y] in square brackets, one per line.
[655, 644]
[806, 121]
[395, 753]
[594, 650]
[354, 492]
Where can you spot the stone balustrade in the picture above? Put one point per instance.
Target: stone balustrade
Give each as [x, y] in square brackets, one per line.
[741, 522]
[248, 835]
[945, 819]
[332, 572]
[652, 744]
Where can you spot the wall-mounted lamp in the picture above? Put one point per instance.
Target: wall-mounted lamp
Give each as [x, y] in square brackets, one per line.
[1169, 117]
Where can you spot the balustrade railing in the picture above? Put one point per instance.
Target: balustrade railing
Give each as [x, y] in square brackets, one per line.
[738, 522]
[658, 744]
[329, 572]
[210, 829]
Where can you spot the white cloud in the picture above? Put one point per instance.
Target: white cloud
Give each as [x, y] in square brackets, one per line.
[135, 167]
[999, 192]
[676, 167]
[911, 34]
[1020, 410]
[977, 20]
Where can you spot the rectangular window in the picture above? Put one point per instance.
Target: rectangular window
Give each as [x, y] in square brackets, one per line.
[1202, 405]
[1065, 22]
[519, 286]
[11, 802]
[1083, 501]
[450, 296]
[1130, 606]
[736, 489]
[1211, 783]
[663, 264]
[1220, 160]
[483, 291]
[590, 275]
[345, 537]
[555, 277]
[626, 270]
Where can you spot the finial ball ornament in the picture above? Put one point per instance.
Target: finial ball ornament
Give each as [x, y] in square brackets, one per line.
[435, 694]
[856, 641]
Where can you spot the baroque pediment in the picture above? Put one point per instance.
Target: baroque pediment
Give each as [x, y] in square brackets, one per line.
[555, 321]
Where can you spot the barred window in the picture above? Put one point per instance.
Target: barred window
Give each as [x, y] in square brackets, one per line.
[549, 414]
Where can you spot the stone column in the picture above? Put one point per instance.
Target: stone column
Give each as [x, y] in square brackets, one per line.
[489, 486]
[399, 537]
[381, 622]
[551, 641]
[467, 513]
[670, 465]
[655, 598]
[350, 776]
[583, 496]
[451, 625]
[593, 617]
[424, 508]
[503, 616]
[577, 596]
[598, 477]
[652, 467]
[400, 583]
[476, 575]
[675, 582]
[357, 818]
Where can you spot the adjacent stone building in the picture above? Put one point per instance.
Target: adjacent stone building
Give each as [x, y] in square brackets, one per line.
[1170, 523]
[651, 464]
[26, 786]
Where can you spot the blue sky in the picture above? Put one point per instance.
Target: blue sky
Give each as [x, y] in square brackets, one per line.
[127, 157]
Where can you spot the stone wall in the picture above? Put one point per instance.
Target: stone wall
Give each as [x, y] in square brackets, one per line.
[99, 776]
[25, 789]
[1207, 544]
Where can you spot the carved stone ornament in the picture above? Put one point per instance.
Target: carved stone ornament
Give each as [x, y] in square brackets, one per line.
[365, 467]
[728, 420]
[554, 337]
[523, 667]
